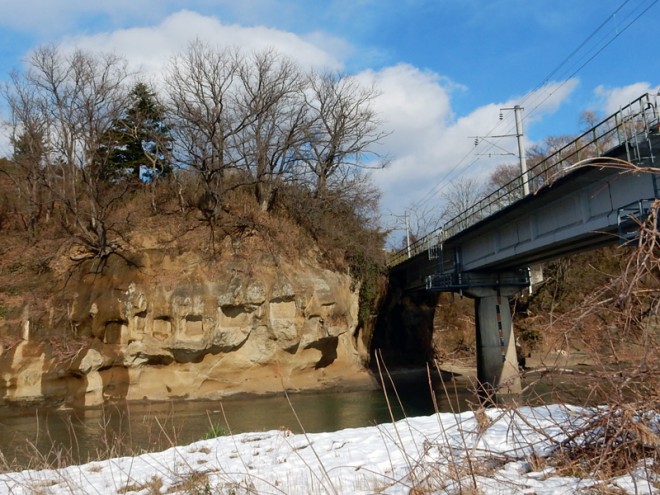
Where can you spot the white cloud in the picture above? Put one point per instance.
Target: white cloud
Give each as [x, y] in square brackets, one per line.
[611, 100]
[429, 145]
[52, 18]
[148, 49]
[546, 99]
[415, 102]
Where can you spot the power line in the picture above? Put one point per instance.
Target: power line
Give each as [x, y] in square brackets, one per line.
[530, 97]
[554, 71]
[600, 50]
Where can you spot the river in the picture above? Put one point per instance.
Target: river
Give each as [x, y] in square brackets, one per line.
[41, 435]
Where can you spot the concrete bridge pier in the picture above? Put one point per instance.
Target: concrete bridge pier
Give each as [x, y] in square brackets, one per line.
[497, 362]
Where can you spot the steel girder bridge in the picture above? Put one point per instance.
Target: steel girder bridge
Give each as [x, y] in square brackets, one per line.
[594, 191]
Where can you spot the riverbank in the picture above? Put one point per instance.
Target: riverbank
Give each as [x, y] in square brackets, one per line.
[486, 452]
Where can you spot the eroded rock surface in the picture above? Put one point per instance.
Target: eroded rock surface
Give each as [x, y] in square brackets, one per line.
[177, 326]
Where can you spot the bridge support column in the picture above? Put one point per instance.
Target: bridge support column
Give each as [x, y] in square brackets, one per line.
[497, 362]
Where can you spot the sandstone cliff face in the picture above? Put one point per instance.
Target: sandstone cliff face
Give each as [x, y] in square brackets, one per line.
[177, 326]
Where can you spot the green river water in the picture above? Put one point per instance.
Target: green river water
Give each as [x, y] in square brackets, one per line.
[29, 435]
[40, 436]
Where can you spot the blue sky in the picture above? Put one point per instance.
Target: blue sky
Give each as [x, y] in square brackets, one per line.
[443, 67]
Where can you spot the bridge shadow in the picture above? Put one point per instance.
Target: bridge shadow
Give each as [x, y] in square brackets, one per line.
[403, 334]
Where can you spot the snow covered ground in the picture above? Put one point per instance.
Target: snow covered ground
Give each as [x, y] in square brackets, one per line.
[497, 451]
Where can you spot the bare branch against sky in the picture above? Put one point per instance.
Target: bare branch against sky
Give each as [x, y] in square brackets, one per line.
[442, 69]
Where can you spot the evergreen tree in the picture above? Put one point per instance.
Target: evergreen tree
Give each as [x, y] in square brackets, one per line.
[137, 146]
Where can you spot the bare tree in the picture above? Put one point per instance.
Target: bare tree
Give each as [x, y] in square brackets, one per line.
[343, 129]
[73, 99]
[460, 199]
[601, 135]
[542, 169]
[422, 219]
[504, 185]
[505, 175]
[207, 120]
[261, 116]
[588, 119]
[28, 142]
[271, 92]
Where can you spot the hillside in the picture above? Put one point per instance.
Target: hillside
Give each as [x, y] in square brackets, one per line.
[179, 309]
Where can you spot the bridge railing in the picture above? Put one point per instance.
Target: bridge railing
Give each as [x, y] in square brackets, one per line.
[627, 127]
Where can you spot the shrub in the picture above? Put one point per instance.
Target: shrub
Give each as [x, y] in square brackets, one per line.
[532, 337]
[216, 431]
[14, 267]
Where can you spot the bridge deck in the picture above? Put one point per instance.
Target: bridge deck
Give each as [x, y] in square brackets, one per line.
[586, 206]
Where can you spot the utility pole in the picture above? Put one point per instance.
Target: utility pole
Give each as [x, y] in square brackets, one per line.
[407, 226]
[521, 148]
[407, 233]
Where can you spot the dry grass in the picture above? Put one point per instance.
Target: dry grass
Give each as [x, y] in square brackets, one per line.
[611, 441]
[152, 487]
[196, 483]
[618, 331]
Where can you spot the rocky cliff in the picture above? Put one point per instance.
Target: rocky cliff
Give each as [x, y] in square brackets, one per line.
[160, 325]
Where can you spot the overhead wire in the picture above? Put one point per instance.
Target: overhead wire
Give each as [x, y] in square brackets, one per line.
[566, 59]
[598, 51]
[535, 99]
[569, 73]
[534, 92]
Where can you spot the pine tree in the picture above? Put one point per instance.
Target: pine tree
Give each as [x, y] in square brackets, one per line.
[138, 144]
